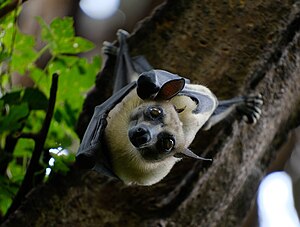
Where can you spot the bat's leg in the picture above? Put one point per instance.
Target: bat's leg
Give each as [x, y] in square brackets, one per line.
[124, 69]
[127, 69]
[248, 107]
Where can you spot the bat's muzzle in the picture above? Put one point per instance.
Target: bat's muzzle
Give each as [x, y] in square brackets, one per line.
[139, 136]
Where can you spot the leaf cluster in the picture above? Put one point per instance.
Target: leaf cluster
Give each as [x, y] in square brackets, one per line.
[23, 110]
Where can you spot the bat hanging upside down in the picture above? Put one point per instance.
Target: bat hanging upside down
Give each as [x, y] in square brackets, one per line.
[148, 124]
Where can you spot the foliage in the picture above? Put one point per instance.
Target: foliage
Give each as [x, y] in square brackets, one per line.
[23, 110]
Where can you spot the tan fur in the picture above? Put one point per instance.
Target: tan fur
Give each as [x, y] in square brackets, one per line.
[192, 122]
[127, 162]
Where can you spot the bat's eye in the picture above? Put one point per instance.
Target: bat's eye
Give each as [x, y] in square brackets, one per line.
[166, 143]
[155, 112]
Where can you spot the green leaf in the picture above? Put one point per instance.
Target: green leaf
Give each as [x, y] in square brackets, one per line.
[62, 27]
[6, 33]
[24, 149]
[58, 66]
[7, 192]
[17, 171]
[3, 55]
[60, 135]
[80, 45]
[12, 98]
[74, 81]
[14, 120]
[73, 45]
[4, 81]
[24, 54]
[5, 202]
[45, 30]
[62, 162]
[67, 114]
[34, 121]
[68, 61]
[61, 37]
[36, 99]
[41, 79]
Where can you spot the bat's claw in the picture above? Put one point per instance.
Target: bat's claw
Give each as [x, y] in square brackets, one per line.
[251, 108]
[109, 48]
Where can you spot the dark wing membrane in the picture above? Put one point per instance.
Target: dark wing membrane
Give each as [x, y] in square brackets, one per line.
[205, 103]
[126, 67]
[92, 153]
[140, 64]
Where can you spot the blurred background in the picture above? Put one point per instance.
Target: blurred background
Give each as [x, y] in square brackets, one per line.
[96, 20]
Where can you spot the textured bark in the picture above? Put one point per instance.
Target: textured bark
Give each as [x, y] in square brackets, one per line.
[233, 47]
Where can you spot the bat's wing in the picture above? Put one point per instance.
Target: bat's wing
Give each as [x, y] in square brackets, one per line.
[205, 100]
[92, 153]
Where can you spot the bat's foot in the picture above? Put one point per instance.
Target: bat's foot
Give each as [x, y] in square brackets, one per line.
[251, 108]
[122, 32]
[109, 48]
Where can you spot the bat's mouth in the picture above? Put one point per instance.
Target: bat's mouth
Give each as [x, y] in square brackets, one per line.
[139, 136]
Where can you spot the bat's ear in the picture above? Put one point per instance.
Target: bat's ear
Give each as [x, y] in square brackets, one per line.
[188, 153]
[170, 89]
[159, 84]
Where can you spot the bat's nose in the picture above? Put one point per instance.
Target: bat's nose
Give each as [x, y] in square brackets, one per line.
[139, 136]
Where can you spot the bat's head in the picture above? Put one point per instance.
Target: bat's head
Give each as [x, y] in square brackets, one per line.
[148, 136]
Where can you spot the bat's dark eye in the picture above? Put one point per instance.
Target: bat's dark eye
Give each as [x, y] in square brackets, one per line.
[155, 112]
[165, 143]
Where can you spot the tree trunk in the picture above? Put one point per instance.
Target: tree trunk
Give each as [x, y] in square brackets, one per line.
[234, 48]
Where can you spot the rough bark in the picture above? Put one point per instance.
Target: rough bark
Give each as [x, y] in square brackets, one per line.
[233, 47]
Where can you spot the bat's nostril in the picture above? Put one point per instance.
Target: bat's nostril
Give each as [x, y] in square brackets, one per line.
[139, 136]
[141, 131]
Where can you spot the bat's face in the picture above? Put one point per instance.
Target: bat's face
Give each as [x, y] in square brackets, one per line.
[155, 130]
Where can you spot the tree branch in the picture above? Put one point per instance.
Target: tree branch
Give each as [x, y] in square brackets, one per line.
[10, 7]
[32, 136]
[28, 181]
[6, 156]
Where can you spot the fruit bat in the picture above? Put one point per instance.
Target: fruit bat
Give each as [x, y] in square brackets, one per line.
[148, 124]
